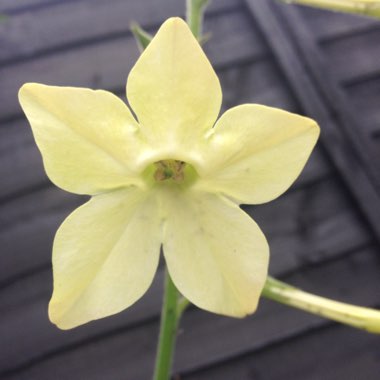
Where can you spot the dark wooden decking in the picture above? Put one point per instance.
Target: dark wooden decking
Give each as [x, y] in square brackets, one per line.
[324, 233]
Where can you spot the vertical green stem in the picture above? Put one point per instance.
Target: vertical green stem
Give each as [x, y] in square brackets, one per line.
[194, 15]
[168, 330]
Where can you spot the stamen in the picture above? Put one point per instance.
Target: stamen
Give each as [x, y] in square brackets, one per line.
[170, 169]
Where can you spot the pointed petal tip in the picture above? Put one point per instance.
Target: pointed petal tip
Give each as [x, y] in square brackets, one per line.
[60, 326]
[30, 89]
[30, 86]
[175, 21]
[54, 318]
[60, 318]
[24, 89]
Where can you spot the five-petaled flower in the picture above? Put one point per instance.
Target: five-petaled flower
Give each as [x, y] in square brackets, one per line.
[174, 177]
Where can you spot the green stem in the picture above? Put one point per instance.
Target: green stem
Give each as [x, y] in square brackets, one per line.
[356, 316]
[142, 37]
[194, 16]
[363, 7]
[168, 330]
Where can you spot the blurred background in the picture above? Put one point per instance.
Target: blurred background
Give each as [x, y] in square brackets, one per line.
[324, 233]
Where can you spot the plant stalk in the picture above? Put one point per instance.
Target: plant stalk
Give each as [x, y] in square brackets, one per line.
[363, 7]
[355, 316]
[170, 316]
[194, 16]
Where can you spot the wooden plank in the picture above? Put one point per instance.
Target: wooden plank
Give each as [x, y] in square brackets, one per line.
[327, 25]
[309, 225]
[352, 58]
[302, 227]
[64, 23]
[128, 353]
[331, 353]
[347, 146]
[21, 166]
[364, 97]
[257, 81]
[70, 22]
[355, 40]
[234, 39]
[12, 6]
[323, 62]
[28, 6]
[34, 217]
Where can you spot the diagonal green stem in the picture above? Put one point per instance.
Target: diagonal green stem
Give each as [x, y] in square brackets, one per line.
[355, 316]
[142, 37]
[170, 315]
[362, 7]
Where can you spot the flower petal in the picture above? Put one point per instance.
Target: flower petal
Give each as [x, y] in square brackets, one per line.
[87, 138]
[102, 259]
[173, 89]
[216, 254]
[256, 152]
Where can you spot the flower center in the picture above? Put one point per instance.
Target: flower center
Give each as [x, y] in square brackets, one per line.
[170, 169]
[170, 172]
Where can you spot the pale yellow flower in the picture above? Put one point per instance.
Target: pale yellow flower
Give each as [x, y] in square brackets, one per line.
[172, 178]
